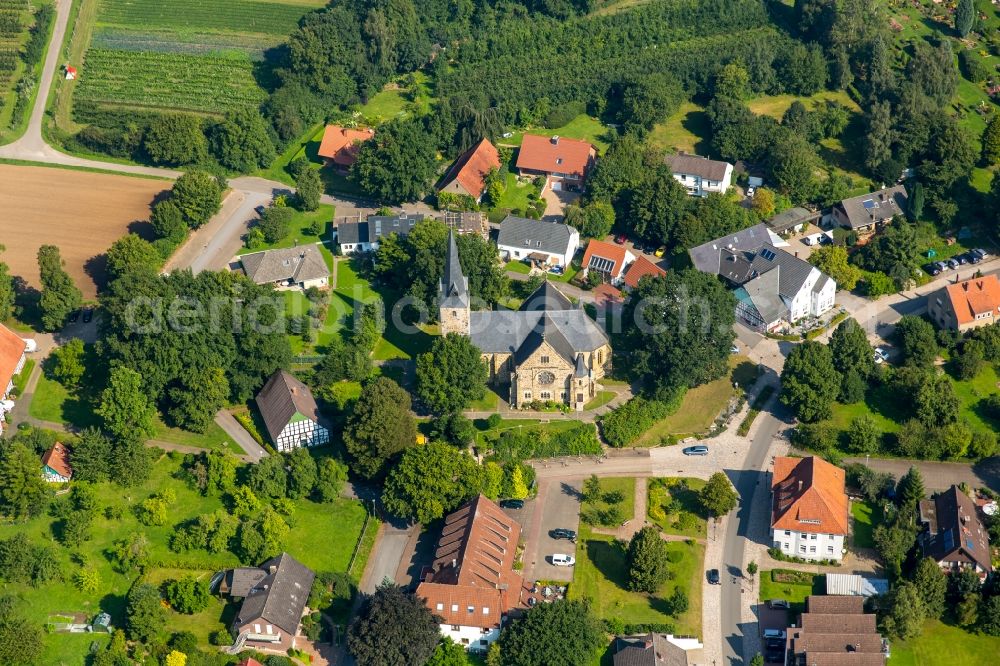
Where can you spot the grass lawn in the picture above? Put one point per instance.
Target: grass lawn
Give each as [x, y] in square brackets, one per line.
[943, 645]
[776, 105]
[690, 520]
[601, 576]
[515, 198]
[518, 266]
[218, 615]
[21, 379]
[866, 517]
[972, 391]
[602, 398]
[622, 484]
[582, 127]
[795, 591]
[486, 436]
[687, 129]
[488, 403]
[301, 229]
[350, 284]
[703, 404]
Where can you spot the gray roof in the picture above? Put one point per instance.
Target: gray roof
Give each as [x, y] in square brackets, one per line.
[878, 206]
[281, 398]
[706, 257]
[375, 227]
[696, 165]
[546, 297]
[853, 584]
[952, 530]
[650, 650]
[454, 284]
[762, 292]
[551, 237]
[297, 264]
[745, 266]
[581, 366]
[241, 580]
[280, 597]
[792, 217]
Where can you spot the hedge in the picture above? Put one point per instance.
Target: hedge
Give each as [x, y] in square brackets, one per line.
[627, 423]
[539, 442]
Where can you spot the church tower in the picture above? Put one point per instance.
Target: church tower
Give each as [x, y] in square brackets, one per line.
[454, 297]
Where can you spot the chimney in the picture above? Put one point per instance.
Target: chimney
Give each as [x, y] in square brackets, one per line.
[272, 569]
[800, 485]
[555, 140]
[454, 563]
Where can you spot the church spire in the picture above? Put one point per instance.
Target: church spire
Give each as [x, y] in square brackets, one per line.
[454, 302]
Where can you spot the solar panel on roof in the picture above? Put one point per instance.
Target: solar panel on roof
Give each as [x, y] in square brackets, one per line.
[601, 264]
[868, 204]
[968, 544]
[767, 254]
[949, 540]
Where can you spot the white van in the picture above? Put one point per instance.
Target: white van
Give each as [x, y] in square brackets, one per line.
[561, 560]
[30, 345]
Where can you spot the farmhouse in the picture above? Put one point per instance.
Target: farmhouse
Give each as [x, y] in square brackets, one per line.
[55, 464]
[640, 269]
[809, 508]
[468, 175]
[658, 650]
[953, 535]
[835, 631]
[608, 259]
[542, 243]
[773, 288]
[290, 413]
[867, 213]
[340, 145]
[274, 598]
[472, 585]
[12, 348]
[700, 176]
[546, 350]
[966, 305]
[563, 162]
[357, 235]
[295, 267]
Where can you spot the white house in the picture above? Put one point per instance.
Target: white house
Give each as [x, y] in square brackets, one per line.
[289, 268]
[290, 413]
[700, 176]
[543, 243]
[809, 508]
[357, 235]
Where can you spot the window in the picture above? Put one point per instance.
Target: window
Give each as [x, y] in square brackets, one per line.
[455, 627]
[812, 536]
[579, 397]
[471, 609]
[545, 359]
[440, 606]
[788, 533]
[562, 395]
[812, 549]
[454, 608]
[465, 641]
[483, 641]
[802, 548]
[486, 610]
[829, 549]
[786, 545]
[545, 395]
[600, 356]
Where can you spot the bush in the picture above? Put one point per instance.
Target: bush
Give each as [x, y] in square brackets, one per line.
[275, 223]
[525, 443]
[972, 66]
[220, 637]
[562, 115]
[627, 423]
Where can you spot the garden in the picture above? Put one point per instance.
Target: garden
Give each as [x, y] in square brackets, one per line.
[673, 504]
[792, 586]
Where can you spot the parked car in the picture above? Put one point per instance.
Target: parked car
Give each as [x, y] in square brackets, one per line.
[774, 650]
[774, 633]
[972, 258]
[621, 238]
[932, 269]
[660, 251]
[30, 345]
[777, 603]
[942, 266]
[735, 349]
[883, 352]
[563, 560]
[73, 316]
[512, 504]
[699, 450]
[713, 576]
[562, 533]
[88, 314]
[751, 191]
[953, 264]
[961, 259]
[556, 270]
[981, 253]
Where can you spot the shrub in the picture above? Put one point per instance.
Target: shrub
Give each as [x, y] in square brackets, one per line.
[526, 443]
[562, 115]
[627, 423]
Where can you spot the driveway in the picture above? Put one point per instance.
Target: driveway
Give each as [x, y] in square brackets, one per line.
[232, 427]
[556, 202]
[940, 475]
[557, 505]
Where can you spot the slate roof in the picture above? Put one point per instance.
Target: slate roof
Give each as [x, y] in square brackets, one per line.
[763, 293]
[639, 269]
[953, 531]
[707, 258]
[974, 297]
[535, 235]
[471, 168]
[555, 155]
[341, 144]
[243, 579]
[697, 165]
[808, 496]
[281, 398]
[57, 459]
[375, 227]
[653, 650]
[878, 206]
[280, 597]
[454, 285]
[297, 264]
[546, 297]
[12, 347]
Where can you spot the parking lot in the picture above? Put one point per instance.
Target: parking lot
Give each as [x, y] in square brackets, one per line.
[557, 505]
[775, 619]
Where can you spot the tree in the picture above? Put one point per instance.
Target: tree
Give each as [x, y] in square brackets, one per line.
[792, 160]
[910, 490]
[516, 487]
[732, 81]
[87, 579]
[20, 639]
[965, 17]
[331, 475]
[718, 497]
[131, 552]
[145, 617]
[302, 473]
[451, 374]
[649, 99]
[879, 134]
[261, 536]
[932, 583]
[905, 614]
[125, 408]
[309, 189]
[241, 142]
[989, 616]
[593, 220]
[174, 139]
[480, 261]
[393, 628]
[380, 426]
[832, 260]
[196, 397]
[67, 363]
[60, 296]
[448, 653]
[863, 435]
[764, 205]
[809, 382]
[188, 595]
[563, 632]
[430, 481]
[276, 223]
[7, 293]
[936, 403]
[397, 164]
[168, 221]
[646, 559]
[269, 478]
[198, 196]
[678, 331]
[23, 492]
[991, 140]
[131, 253]
[175, 658]
[850, 349]
[970, 361]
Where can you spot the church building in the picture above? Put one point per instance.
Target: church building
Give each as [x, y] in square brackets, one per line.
[548, 349]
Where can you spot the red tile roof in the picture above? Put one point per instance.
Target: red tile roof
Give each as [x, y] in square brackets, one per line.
[808, 496]
[471, 167]
[340, 144]
[11, 349]
[639, 269]
[555, 155]
[974, 297]
[249, 661]
[57, 459]
[609, 251]
[474, 566]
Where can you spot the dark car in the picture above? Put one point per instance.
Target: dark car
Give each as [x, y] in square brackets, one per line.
[932, 269]
[512, 504]
[777, 603]
[713, 576]
[561, 533]
[774, 650]
[961, 259]
[621, 238]
[972, 257]
[73, 316]
[88, 314]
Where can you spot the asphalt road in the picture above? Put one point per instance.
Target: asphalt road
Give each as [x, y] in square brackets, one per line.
[940, 475]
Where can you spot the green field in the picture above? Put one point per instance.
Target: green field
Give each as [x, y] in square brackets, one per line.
[620, 484]
[246, 16]
[16, 19]
[944, 645]
[687, 129]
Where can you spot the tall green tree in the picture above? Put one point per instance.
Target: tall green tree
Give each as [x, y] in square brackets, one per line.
[302, 473]
[850, 349]
[261, 536]
[131, 253]
[991, 140]
[431, 480]
[965, 17]
[23, 492]
[60, 296]
[832, 260]
[197, 396]
[564, 632]
[175, 138]
[451, 374]
[308, 189]
[126, 410]
[67, 363]
[393, 628]
[646, 558]
[809, 381]
[241, 142]
[480, 261]
[380, 427]
[20, 639]
[145, 616]
[397, 164]
[792, 162]
[188, 595]
[917, 341]
[910, 490]
[864, 435]
[198, 196]
[905, 612]
[932, 583]
[718, 497]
